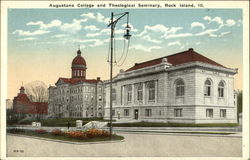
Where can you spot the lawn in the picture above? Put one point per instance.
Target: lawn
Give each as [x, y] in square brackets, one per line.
[152, 124]
[62, 137]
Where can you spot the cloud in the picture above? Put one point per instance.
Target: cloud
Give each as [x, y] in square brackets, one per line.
[216, 19]
[197, 43]
[91, 42]
[54, 23]
[91, 28]
[144, 48]
[180, 35]
[198, 24]
[230, 22]
[93, 34]
[98, 17]
[178, 43]
[207, 32]
[27, 39]
[59, 35]
[28, 33]
[148, 38]
[156, 28]
[74, 26]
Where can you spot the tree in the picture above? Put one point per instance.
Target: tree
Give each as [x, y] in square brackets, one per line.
[38, 90]
[239, 102]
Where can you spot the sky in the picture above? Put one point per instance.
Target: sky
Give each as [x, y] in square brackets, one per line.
[43, 42]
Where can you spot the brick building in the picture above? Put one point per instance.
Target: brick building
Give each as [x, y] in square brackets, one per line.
[77, 96]
[185, 87]
[24, 107]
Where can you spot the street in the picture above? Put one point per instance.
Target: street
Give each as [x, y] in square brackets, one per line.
[135, 145]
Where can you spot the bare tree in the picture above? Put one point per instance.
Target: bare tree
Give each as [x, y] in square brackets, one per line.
[37, 91]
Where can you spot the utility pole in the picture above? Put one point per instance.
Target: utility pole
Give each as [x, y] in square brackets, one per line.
[126, 36]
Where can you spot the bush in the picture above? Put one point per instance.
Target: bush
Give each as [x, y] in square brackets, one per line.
[40, 131]
[15, 130]
[93, 133]
[76, 134]
[57, 132]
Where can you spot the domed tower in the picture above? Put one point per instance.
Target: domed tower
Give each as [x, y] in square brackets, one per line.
[78, 67]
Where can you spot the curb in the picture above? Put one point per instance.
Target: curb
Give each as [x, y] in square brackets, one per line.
[180, 134]
[69, 142]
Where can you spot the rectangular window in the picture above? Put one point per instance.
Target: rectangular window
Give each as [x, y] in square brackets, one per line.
[148, 112]
[129, 93]
[178, 112]
[223, 113]
[139, 92]
[180, 91]
[209, 113]
[151, 91]
[126, 112]
[207, 91]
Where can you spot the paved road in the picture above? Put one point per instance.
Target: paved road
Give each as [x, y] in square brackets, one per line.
[136, 145]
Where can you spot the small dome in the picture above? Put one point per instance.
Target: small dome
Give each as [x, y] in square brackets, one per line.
[79, 60]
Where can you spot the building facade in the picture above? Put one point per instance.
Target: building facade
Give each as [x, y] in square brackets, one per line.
[185, 87]
[23, 107]
[77, 96]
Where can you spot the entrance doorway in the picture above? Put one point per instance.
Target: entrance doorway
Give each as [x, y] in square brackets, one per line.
[136, 114]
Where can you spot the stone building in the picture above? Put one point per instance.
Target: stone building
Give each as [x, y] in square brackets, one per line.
[76, 96]
[185, 87]
[23, 107]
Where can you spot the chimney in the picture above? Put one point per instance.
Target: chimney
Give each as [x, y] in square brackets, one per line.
[98, 78]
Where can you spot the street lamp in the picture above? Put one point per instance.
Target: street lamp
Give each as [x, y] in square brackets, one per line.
[127, 36]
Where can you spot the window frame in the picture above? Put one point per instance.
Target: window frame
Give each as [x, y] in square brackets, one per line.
[209, 113]
[178, 112]
[179, 88]
[148, 112]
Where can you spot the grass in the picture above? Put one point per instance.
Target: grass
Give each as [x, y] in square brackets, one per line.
[152, 124]
[64, 138]
[61, 122]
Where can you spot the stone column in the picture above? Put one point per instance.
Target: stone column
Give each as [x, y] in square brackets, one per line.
[156, 91]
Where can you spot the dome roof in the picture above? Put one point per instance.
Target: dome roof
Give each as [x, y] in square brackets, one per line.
[79, 60]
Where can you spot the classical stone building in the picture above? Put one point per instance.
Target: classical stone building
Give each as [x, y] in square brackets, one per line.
[185, 87]
[76, 96]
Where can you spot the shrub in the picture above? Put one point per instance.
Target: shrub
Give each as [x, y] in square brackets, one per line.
[40, 131]
[76, 134]
[15, 130]
[57, 132]
[93, 133]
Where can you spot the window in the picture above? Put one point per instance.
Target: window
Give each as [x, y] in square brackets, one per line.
[179, 88]
[139, 92]
[148, 112]
[209, 113]
[221, 89]
[223, 113]
[126, 112]
[207, 88]
[113, 95]
[100, 98]
[178, 112]
[151, 91]
[113, 112]
[129, 93]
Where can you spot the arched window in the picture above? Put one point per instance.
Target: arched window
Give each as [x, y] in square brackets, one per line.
[221, 87]
[113, 94]
[179, 87]
[207, 88]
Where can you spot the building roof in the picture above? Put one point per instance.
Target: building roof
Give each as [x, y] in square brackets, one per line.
[176, 59]
[22, 100]
[77, 80]
[79, 60]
